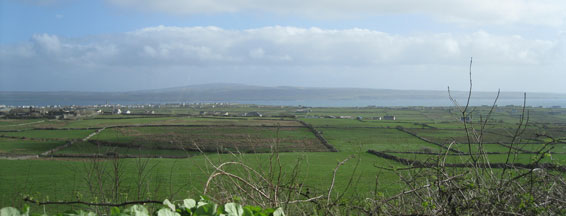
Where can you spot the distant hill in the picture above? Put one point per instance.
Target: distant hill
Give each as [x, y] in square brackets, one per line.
[238, 93]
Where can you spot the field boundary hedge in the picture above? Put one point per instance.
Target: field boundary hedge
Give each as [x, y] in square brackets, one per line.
[187, 149]
[439, 153]
[32, 138]
[419, 164]
[110, 155]
[318, 135]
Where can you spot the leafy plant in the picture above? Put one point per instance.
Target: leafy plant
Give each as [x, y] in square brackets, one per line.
[188, 207]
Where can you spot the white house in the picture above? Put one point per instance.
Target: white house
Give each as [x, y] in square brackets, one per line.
[117, 111]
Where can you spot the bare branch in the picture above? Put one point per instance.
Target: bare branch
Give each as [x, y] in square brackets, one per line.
[334, 176]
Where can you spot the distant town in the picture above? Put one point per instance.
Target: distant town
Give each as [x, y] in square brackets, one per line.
[192, 109]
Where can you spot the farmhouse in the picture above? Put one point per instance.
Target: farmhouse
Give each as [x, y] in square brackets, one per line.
[376, 118]
[466, 119]
[252, 114]
[117, 111]
[389, 117]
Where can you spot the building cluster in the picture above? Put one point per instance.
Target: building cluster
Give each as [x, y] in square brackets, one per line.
[214, 113]
[30, 112]
[387, 117]
[252, 114]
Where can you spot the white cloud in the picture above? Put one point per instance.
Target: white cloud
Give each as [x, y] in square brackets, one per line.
[540, 12]
[257, 53]
[299, 46]
[355, 56]
[49, 43]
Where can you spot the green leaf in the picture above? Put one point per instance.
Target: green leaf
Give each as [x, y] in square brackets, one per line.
[82, 213]
[204, 198]
[25, 210]
[169, 204]
[201, 203]
[9, 211]
[247, 212]
[189, 203]
[233, 209]
[167, 212]
[114, 211]
[278, 212]
[268, 211]
[208, 209]
[220, 210]
[254, 208]
[138, 210]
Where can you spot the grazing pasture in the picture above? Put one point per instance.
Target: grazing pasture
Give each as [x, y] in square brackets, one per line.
[211, 138]
[11, 146]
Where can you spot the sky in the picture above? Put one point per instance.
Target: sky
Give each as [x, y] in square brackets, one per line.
[123, 45]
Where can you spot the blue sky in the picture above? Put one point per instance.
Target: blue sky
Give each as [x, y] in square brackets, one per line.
[22, 19]
[120, 45]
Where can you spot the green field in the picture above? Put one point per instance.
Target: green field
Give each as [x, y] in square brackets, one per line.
[50, 134]
[212, 139]
[22, 146]
[62, 180]
[180, 146]
[380, 139]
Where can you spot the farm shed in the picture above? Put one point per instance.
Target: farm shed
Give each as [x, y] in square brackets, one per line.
[389, 117]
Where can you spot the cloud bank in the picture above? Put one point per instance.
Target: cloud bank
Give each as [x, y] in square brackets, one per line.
[501, 12]
[169, 56]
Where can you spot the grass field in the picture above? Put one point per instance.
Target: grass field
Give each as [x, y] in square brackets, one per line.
[21, 146]
[8, 123]
[212, 139]
[89, 148]
[445, 136]
[64, 179]
[250, 140]
[363, 139]
[488, 147]
[50, 134]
